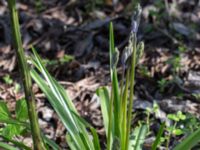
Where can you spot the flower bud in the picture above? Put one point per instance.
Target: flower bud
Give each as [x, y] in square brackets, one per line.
[115, 58]
[136, 19]
[140, 51]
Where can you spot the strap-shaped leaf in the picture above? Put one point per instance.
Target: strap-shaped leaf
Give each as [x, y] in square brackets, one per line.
[62, 105]
[189, 141]
[104, 100]
[5, 146]
[158, 137]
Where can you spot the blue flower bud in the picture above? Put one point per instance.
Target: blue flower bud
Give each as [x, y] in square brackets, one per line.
[136, 19]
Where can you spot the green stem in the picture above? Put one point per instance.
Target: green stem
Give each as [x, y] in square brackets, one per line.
[129, 117]
[26, 78]
[169, 137]
[124, 111]
[110, 124]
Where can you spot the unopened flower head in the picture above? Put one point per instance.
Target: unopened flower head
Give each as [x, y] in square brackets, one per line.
[136, 18]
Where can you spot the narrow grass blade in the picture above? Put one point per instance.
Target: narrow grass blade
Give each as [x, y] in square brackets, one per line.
[71, 143]
[51, 143]
[7, 147]
[62, 105]
[123, 112]
[189, 141]
[58, 108]
[16, 122]
[54, 88]
[132, 83]
[18, 144]
[60, 88]
[104, 100]
[158, 137]
[115, 101]
[95, 139]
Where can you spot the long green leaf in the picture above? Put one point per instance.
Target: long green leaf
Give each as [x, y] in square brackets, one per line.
[123, 112]
[7, 147]
[18, 144]
[158, 137]
[13, 121]
[104, 100]
[95, 139]
[114, 103]
[51, 143]
[189, 141]
[114, 80]
[93, 131]
[58, 108]
[54, 88]
[62, 104]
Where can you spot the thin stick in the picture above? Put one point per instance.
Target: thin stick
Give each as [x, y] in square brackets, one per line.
[26, 78]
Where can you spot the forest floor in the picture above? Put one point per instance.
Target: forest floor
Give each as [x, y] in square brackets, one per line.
[73, 38]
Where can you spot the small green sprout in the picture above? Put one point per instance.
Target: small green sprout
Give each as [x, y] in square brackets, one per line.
[174, 130]
[162, 84]
[7, 79]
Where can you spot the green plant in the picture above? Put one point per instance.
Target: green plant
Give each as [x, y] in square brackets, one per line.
[162, 84]
[117, 114]
[159, 12]
[150, 111]
[172, 130]
[143, 70]
[39, 5]
[17, 125]
[14, 126]
[190, 124]
[77, 137]
[116, 106]
[174, 61]
[7, 79]
[182, 124]
[66, 58]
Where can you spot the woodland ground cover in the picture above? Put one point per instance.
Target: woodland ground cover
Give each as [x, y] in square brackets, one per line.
[76, 53]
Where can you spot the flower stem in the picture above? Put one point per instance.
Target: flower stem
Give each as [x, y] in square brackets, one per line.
[26, 78]
[132, 82]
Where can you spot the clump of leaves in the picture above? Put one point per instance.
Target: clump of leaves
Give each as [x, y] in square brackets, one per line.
[14, 126]
[116, 106]
[174, 130]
